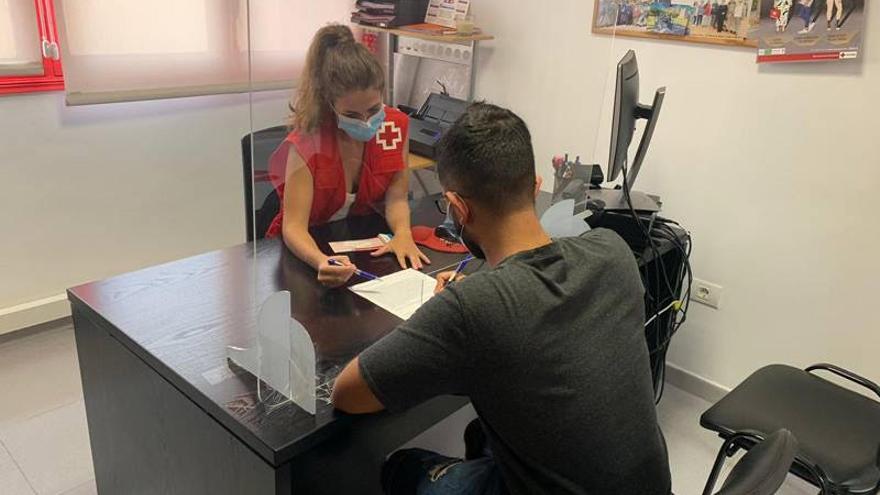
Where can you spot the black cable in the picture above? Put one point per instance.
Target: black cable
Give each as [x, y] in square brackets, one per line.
[659, 266]
[672, 236]
[684, 272]
[660, 336]
[645, 232]
[679, 314]
[659, 304]
[668, 233]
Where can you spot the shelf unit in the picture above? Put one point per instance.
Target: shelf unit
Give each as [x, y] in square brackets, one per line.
[451, 48]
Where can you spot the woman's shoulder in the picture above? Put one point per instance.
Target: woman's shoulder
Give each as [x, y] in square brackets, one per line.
[394, 115]
[322, 130]
[308, 143]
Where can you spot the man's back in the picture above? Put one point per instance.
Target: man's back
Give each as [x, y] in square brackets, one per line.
[550, 348]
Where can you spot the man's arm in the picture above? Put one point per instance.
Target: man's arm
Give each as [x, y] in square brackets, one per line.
[351, 393]
[424, 357]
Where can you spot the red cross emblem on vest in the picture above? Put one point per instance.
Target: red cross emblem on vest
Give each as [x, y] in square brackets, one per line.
[390, 136]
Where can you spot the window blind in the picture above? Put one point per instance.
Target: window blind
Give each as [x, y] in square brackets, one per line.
[125, 50]
[20, 53]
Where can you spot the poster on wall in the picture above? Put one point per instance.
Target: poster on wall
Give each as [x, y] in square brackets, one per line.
[810, 30]
[447, 12]
[723, 22]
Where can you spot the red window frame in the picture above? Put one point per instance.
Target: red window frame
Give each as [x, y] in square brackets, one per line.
[52, 78]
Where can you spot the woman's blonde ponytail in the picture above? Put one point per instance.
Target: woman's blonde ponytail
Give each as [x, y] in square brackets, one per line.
[336, 64]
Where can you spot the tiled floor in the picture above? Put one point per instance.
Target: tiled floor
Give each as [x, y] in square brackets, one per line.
[44, 446]
[44, 442]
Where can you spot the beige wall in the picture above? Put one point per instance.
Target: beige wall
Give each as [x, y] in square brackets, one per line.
[774, 169]
[88, 192]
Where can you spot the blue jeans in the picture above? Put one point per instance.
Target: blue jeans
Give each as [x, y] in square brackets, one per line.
[421, 472]
[805, 13]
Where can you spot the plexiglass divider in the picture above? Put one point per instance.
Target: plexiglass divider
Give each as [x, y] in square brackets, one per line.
[573, 171]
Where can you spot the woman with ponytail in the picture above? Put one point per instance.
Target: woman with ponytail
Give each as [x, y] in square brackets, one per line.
[346, 152]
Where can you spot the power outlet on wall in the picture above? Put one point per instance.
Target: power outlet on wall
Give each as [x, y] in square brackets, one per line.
[706, 293]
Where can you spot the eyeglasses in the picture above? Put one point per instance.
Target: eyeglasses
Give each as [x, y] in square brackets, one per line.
[442, 205]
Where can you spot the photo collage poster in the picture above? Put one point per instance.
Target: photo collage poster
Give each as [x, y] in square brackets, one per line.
[724, 22]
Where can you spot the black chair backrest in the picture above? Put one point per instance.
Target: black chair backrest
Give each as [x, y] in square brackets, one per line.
[261, 203]
[764, 468]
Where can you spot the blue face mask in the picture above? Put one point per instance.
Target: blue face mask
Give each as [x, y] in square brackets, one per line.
[358, 129]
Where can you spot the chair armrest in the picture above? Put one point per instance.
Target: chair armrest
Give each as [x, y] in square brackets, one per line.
[764, 467]
[849, 375]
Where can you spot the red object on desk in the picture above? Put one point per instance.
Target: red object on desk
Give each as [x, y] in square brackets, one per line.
[425, 236]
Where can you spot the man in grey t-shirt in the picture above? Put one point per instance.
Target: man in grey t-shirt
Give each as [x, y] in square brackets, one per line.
[548, 344]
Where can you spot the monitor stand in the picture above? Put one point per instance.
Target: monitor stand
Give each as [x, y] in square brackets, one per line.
[615, 200]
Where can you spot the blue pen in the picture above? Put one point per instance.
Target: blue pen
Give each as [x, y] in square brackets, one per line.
[459, 268]
[359, 273]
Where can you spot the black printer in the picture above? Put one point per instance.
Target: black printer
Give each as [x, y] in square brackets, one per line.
[430, 123]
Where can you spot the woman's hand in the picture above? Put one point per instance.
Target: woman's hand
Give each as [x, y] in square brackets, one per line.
[444, 279]
[405, 249]
[330, 275]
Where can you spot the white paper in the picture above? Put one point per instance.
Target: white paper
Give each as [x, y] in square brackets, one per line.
[401, 293]
[356, 245]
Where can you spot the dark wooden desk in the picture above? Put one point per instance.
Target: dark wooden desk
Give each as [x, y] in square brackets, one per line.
[168, 415]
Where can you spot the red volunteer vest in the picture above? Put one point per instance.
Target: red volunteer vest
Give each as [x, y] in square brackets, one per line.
[383, 157]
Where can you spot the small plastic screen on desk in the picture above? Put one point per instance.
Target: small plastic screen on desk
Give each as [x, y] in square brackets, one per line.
[560, 220]
[282, 355]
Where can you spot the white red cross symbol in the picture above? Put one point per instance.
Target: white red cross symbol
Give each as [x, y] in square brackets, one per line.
[390, 136]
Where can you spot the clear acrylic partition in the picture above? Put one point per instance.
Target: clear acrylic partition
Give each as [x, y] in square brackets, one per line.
[277, 33]
[616, 17]
[278, 353]
[613, 17]
[583, 126]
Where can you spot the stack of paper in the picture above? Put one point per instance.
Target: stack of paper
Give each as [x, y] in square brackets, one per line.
[401, 293]
[356, 245]
[375, 13]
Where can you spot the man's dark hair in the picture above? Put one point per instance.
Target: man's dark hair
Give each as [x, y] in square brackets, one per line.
[487, 157]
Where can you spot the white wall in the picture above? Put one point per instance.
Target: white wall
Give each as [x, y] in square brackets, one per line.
[774, 169]
[88, 192]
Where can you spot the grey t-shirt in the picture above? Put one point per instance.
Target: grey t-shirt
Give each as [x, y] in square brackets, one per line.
[550, 348]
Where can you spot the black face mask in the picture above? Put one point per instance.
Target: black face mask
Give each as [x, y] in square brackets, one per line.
[470, 244]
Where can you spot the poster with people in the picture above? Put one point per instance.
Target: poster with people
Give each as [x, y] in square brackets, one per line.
[810, 30]
[728, 22]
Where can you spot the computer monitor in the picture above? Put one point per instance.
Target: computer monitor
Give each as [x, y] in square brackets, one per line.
[627, 111]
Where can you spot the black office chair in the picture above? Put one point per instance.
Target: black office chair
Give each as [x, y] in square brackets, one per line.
[838, 430]
[260, 214]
